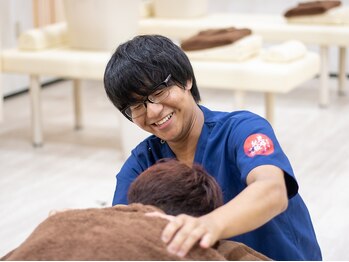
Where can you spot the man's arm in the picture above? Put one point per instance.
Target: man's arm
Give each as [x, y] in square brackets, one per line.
[264, 198]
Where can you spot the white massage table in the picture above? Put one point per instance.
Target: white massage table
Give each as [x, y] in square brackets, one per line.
[57, 62]
[273, 28]
[61, 61]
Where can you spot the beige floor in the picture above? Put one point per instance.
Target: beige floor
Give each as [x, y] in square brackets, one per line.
[75, 169]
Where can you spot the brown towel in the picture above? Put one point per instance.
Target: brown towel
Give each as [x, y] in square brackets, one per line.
[115, 233]
[214, 38]
[312, 8]
[235, 251]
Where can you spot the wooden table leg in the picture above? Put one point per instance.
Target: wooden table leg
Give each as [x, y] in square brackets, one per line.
[77, 103]
[269, 106]
[36, 119]
[342, 71]
[324, 85]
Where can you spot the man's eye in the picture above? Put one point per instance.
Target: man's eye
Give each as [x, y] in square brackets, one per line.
[158, 93]
[137, 107]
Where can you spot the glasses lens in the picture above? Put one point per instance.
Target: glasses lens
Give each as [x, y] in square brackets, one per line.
[135, 111]
[128, 112]
[159, 96]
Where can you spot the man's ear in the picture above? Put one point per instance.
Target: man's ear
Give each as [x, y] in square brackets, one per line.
[189, 84]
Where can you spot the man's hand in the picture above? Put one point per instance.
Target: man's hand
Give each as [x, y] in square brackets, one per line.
[264, 198]
[183, 232]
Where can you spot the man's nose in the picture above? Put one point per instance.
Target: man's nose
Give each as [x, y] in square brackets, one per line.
[153, 110]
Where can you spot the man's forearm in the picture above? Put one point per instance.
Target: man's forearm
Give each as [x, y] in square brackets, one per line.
[253, 207]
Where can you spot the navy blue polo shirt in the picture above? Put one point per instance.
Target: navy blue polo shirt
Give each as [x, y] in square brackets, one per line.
[229, 147]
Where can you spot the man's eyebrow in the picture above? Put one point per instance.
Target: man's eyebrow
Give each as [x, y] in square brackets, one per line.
[136, 98]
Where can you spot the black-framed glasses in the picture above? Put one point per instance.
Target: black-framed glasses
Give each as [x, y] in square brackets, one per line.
[160, 94]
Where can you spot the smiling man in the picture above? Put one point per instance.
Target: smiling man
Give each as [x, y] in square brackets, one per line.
[151, 81]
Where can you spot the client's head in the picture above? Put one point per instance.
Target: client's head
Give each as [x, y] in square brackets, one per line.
[176, 188]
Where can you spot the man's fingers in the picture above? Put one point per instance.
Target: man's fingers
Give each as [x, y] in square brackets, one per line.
[190, 240]
[171, 228]
[183, 232]
[189, 231]
[206, 241]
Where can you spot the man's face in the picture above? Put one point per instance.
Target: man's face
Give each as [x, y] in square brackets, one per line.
[171, 119]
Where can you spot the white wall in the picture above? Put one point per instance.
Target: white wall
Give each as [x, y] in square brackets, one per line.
[15, 17]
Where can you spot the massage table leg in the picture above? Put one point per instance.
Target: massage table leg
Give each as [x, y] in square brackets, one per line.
[269, 106]
[1, 98]
[324, 88]
[77, 103]
[342, 71]
[35, 96]
[269, 103]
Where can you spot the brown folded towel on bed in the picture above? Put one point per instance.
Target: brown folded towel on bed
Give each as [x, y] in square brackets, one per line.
[115, 233]
[312, 8]
[214, 38]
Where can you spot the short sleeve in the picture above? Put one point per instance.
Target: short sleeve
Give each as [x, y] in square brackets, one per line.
[256, 145]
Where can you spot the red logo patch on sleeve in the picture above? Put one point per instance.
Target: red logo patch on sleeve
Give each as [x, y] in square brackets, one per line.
[258, 144]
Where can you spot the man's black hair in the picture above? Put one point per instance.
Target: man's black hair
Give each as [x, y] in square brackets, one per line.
[143, 62]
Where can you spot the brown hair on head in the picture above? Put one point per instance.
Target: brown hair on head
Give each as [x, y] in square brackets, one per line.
[176, 189]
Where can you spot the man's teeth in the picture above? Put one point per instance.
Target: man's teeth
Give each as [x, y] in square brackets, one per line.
[165, 119]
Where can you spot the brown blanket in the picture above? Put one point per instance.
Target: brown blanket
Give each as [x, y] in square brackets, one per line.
[214, 38]
[115, 233]
[312, 8]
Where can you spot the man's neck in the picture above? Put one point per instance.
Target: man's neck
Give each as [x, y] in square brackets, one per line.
[185, 149]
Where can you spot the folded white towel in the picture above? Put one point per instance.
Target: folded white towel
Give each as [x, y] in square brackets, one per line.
[238, 51]
[285, 52]
[335, 16]
[45, 37]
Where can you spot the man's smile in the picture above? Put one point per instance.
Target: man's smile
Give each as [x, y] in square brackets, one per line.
[164, 120]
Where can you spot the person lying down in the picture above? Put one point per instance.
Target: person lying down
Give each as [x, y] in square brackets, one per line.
[126, 232]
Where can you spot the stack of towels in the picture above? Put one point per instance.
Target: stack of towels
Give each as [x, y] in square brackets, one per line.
[223, 44]
[318, 12]
[312, 8]
[237, 45]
